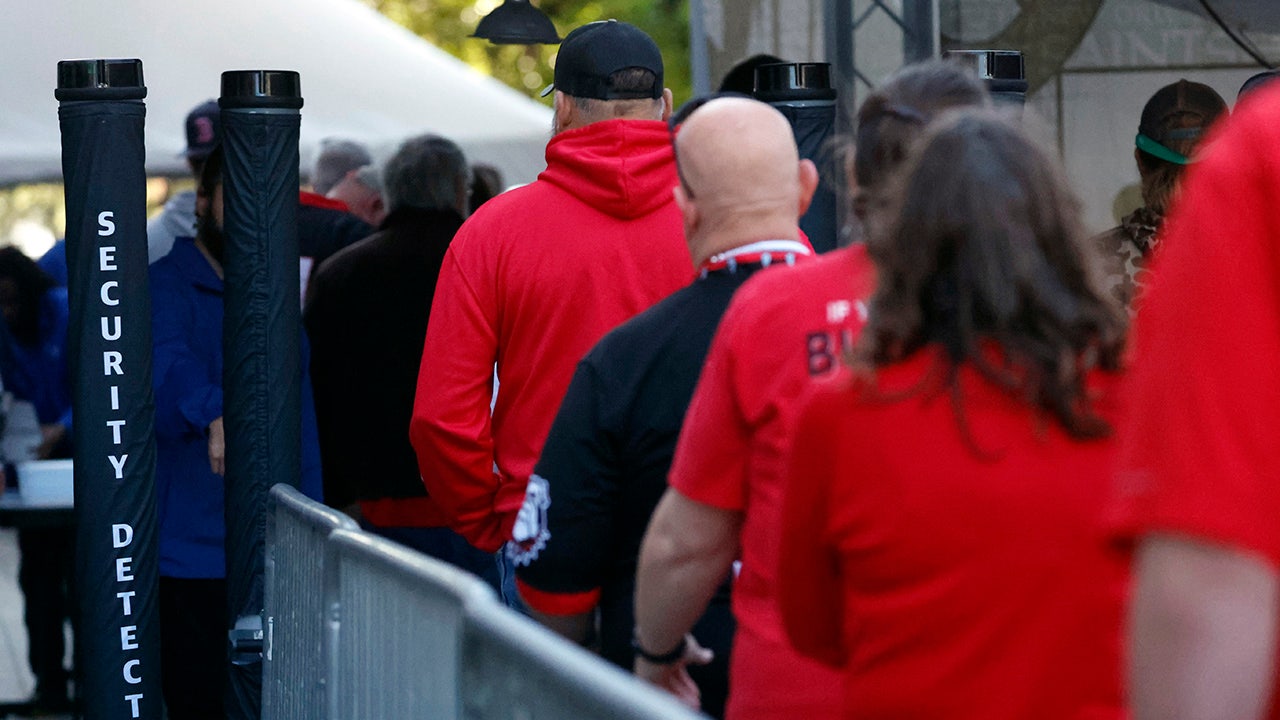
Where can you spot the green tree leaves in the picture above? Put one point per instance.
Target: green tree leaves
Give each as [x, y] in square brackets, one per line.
[448, 24]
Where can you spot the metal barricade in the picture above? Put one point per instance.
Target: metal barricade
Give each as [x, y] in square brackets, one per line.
[360, 627]
[397, 619]
[294, 670]
[514, 669]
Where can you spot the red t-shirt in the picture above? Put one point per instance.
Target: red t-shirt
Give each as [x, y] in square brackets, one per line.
[948, 583]
[1201, 455]
[1202, 452]
[785, 329]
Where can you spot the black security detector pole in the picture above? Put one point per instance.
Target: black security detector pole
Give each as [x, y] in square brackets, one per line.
[101, 114]
[262, 374]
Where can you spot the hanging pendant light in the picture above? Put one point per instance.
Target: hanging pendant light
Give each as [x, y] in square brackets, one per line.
[517, 22]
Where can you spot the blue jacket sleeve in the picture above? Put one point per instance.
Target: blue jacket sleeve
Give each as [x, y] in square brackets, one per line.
[62, 325]
[188, 389]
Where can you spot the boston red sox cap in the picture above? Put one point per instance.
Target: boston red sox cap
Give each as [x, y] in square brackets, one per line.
[593, 52]
[203, 130]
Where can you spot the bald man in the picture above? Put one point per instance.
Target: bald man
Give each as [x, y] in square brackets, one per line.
[603, 468]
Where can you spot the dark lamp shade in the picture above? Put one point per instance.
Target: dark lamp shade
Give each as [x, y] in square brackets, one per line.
[516, 22]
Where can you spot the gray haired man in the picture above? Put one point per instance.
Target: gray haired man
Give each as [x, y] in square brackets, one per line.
[367, 317]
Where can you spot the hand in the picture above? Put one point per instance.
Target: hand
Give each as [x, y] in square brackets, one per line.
[217, 448]
[674, 677]
[50, 436]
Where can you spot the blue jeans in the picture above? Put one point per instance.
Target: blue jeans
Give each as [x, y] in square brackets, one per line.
[446, 545]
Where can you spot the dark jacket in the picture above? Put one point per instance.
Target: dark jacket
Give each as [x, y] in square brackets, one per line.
[324, 228]
[54, 262]
[604, 466]
[367, 317]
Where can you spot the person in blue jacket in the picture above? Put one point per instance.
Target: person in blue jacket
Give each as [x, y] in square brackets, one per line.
[187, 311]
[34, 365]
[35, 362]
[54, 262]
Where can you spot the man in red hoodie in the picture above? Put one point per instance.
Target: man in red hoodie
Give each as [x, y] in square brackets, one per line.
[538, 275]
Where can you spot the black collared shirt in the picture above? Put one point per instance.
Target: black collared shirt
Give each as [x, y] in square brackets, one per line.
[604, 465]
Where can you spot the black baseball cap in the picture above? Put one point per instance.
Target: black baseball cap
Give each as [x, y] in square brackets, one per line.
[1175, 118]
[1253, 83]
[204, 130]
[593, 52]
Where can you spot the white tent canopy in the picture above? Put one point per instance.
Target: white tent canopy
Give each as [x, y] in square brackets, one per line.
[1251, 15]
[363, 77]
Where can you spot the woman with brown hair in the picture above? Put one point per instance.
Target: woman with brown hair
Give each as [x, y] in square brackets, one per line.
[942, 540]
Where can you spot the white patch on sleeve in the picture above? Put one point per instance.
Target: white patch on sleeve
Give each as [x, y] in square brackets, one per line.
[837, 311]
[531, 533]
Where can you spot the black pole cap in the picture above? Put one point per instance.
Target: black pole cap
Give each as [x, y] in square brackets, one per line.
[780, 82]
[1003, 71]
[280, 89]
[101, 79]
[992, 64]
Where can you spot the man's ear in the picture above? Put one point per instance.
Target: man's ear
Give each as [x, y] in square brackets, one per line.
[668, 104]
[563, 109]
[808, 180]
[688, 208]
[1142, 167]
[461, 199]
[202, 204]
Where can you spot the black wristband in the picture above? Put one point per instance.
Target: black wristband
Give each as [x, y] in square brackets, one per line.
[665, 658]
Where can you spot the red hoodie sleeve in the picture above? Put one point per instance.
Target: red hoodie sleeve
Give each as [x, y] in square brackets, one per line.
[810, 591]
[450, 429]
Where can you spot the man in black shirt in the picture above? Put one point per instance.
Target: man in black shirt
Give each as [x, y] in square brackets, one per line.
[367, 318]
[605, 462]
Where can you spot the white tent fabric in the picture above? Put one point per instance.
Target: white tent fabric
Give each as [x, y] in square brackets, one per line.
[1246, 15]
[363, 77]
